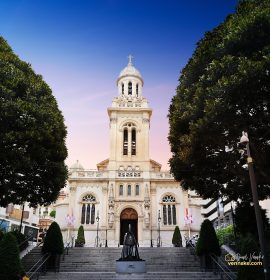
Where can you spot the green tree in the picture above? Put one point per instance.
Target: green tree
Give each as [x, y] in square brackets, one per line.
[80, 237]
[53, 242]
[32, 135]
[53, 213]
[10, 263]
[177, 239]
[222, 91]
[207, 243]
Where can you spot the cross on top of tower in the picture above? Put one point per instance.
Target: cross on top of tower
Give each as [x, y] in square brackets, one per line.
[130, 57]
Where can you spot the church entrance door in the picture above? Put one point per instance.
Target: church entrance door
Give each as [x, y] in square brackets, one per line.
[128, 216]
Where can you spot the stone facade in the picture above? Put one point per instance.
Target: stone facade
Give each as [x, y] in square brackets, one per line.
[128, 187]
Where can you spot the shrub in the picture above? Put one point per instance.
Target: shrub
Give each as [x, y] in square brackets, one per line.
[248, 246]
[10, 263]
[208, 242]
[177, 239]
[21, 240]
[80, 238]
[53, 213]
[225, 235]
[53, 242]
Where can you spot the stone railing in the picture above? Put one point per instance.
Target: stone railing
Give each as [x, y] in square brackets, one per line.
[129, 174]
[161, 175]
[88, 174]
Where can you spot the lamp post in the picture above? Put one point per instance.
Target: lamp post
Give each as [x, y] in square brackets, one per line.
[244, 140]
[151, 244]
[97, 219]
[106, 242]
[159, 219]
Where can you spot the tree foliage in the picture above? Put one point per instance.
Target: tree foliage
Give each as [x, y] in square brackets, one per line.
[224, 90]
[32, 135]
[207, 242]
[10, 263]
[53, 242]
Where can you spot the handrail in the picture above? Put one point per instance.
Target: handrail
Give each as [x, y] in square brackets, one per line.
[39, 264]
[28, 238]
[213, 258]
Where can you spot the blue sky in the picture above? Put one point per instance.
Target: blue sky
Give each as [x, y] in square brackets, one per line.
[80, 46]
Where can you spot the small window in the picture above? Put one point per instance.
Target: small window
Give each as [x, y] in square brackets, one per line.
[130, 88]
[137, 90]
[129, 190]
[121, 190]
[137, 190]
[123, 88]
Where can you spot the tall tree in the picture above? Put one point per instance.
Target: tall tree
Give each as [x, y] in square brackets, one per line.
[224, 90]
[32, 135]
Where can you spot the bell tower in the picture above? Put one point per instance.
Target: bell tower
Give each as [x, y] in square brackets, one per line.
[129, 122]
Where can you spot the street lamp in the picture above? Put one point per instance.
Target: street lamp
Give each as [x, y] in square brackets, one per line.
[97, 219]
[151, 244]
[159, 219]
[106, 242]
[245, 141]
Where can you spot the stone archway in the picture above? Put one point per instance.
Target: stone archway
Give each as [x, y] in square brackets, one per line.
[128, 216]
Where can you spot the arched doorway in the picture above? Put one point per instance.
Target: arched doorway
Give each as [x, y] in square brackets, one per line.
[128, 216]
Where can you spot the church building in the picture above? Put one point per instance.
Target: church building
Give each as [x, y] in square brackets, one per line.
[128, 187]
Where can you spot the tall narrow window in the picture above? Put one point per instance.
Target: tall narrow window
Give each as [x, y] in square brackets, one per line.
[169, 215]
[88, 214]
[121, 190]
[93, 214]
[137, 90]
[174, 214]
[137, 189]
[123, 88]
[83, 214]
[164, 215]
[130, 88]
[125, 142]
[129, 190]
[133, 142]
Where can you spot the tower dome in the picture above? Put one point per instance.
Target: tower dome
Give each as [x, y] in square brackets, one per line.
[130, 81]
[76, 166]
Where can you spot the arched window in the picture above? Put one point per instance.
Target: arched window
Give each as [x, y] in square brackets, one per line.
[88, 209]
[137, 90]
[133, 141]
[125, 142]
[123, 87]
[169, 210]
[129, 190]
[129, 88]
[121, 190]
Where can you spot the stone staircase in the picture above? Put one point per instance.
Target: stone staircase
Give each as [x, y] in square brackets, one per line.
[99, 264]
[31, 258]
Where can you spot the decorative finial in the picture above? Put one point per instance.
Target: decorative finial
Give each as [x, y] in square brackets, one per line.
[130, 59]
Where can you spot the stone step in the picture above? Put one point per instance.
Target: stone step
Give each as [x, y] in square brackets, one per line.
[133, 276]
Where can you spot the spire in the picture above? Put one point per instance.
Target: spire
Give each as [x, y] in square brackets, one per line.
[130, 60]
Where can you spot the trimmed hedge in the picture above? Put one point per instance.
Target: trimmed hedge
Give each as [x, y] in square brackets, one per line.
[80, 241]
[177, 239]
[10, 263]
[53, 242]
[208, 242]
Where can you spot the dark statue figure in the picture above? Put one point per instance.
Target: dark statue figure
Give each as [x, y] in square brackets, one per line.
[130, 247]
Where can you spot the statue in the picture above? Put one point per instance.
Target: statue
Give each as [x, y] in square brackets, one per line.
[130, 247]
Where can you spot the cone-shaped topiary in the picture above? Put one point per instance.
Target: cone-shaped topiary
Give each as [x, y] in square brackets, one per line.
[10, 263]
[80, 238]
[177, 239]
[208, 242]
[53, 242]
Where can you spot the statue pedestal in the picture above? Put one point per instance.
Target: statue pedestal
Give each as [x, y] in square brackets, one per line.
[130, 266]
